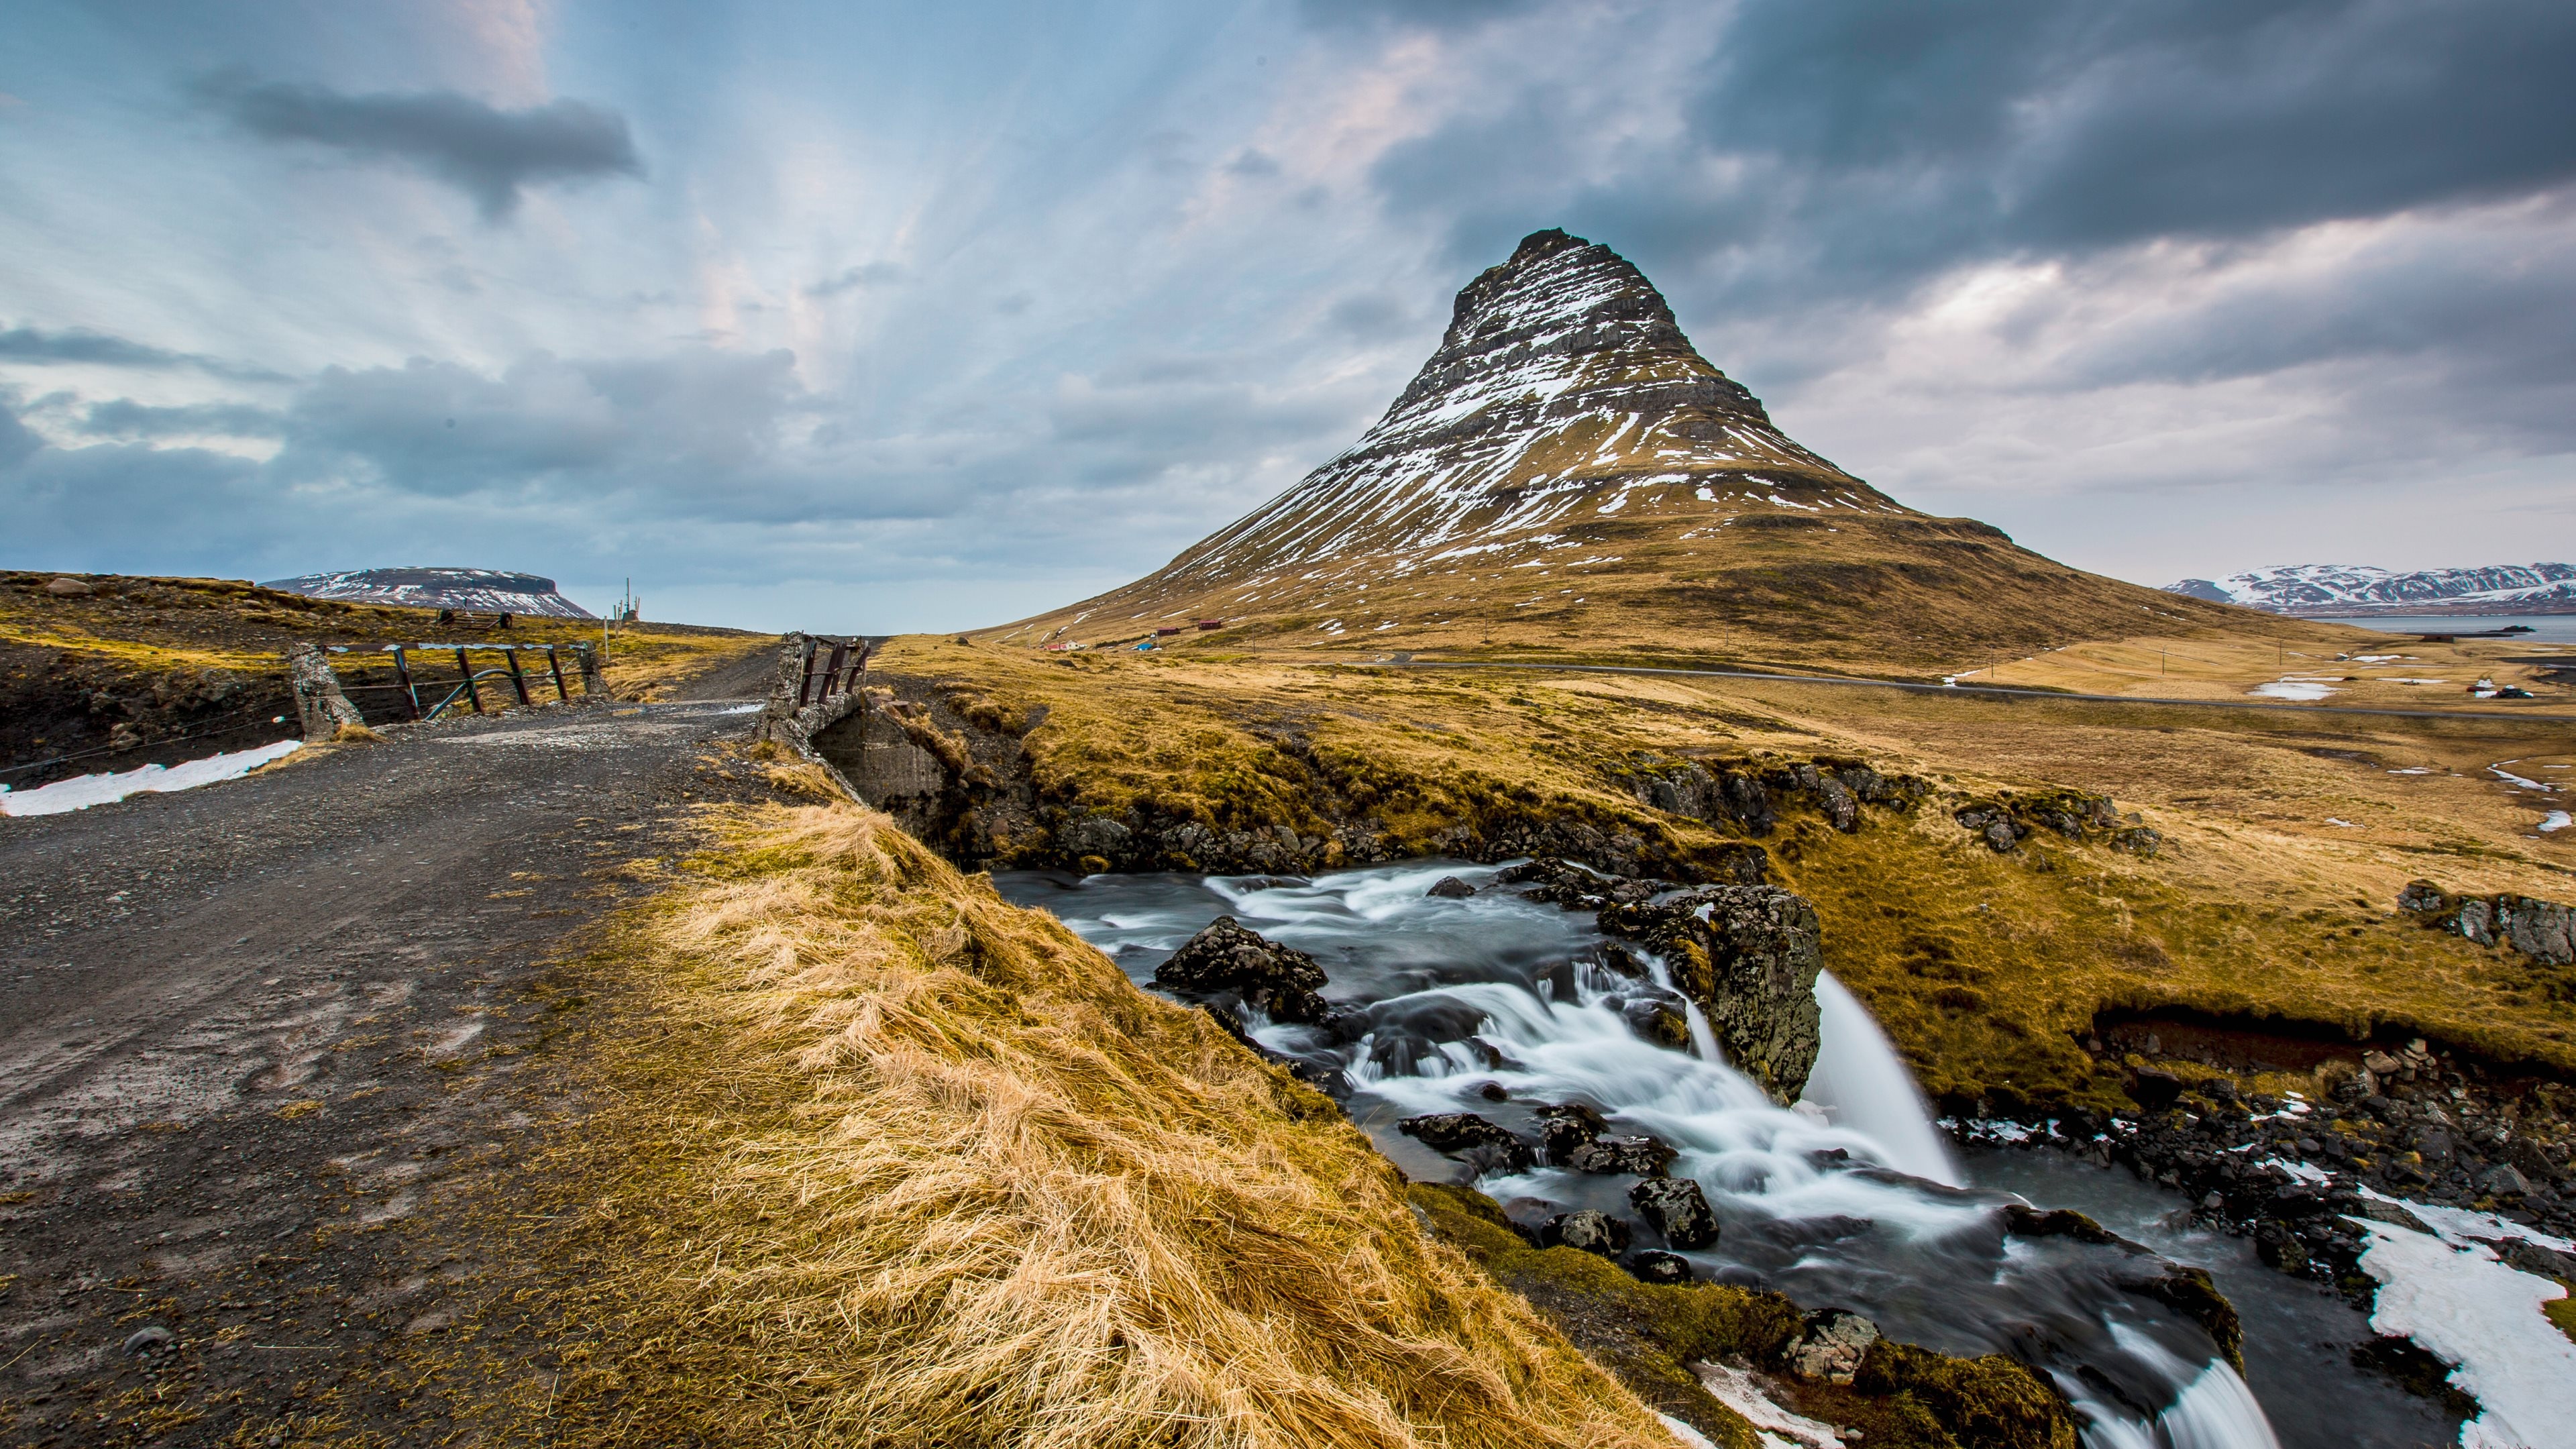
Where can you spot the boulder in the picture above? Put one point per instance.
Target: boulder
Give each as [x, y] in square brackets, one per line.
[1450, 888]
[1656, 1020]
[2502, 1181]
[1282, 980]
[1832, 1345]
[1585, 1229]
[2154, 1088]
[1464, 1131]
[1749, 955]
[1567, 1126]
[1678, 1210]
[2423, 898]
[1657, 1266]
[69, 589]
[1610, 1156]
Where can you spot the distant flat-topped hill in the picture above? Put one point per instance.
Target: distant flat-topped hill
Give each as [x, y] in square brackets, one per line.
[1567, 473]
[482, 590]
[2348, 590]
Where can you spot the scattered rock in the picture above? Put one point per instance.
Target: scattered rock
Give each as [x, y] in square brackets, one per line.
[69, 589]
[1578, 1137]
[149, 1339]
[2502, 1181]
[1450, 888]
[1463, 1131]
[1832, 1346]
[2542, 930]
[1283, 980]
[1565, 1126]
[1749, 955]
[1657, 1266]
[2154, 1088]
[1610, 1156]
[1655, 1019]
[2025, 1221]
[1586, 1229]
[1677, 1209]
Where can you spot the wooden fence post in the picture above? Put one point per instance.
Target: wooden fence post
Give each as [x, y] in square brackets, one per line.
[554, 665]
[518, 681]
[465, 667]
[402, 676]
[593, 679]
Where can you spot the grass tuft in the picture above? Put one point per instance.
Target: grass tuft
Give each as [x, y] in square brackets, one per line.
[886, 1160]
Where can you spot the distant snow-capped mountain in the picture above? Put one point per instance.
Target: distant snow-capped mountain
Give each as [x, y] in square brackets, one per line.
[2329, 589]
[480, 590]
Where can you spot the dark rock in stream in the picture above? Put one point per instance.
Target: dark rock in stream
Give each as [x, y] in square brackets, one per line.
[1566, 1126]
[1611, 1156]
[1450, 888]
[1585, 1229]
[1282, 980]
[1657, 1266]
[1749, 955]
[1465, 1131]
[1677, 1209]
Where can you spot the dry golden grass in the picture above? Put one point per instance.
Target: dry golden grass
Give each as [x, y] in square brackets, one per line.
[882, 1160]
[1984, 968]
[158, 624]
[2404, 674]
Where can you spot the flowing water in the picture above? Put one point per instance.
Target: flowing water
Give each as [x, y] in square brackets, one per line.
[1850, 1199]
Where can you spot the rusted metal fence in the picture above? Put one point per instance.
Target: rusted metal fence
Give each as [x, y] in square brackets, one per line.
[841, 672]
[425, 689]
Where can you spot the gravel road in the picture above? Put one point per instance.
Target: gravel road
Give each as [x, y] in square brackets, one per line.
[246, 1031]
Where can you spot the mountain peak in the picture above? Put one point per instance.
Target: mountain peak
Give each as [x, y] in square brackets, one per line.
[1563, 386]
[1566, 465]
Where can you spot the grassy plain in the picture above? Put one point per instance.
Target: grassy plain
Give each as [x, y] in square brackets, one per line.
[2287, 833]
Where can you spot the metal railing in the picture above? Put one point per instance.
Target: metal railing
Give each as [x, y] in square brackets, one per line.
[418, 690]
[841, 672]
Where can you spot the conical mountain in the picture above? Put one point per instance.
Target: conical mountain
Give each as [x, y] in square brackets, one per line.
[1567, 473]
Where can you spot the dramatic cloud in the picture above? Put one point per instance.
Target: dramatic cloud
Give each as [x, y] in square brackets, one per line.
[488, 153]
[934, 316]
[80, 346]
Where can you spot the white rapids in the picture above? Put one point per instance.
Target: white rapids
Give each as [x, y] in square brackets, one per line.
[1850, 1198]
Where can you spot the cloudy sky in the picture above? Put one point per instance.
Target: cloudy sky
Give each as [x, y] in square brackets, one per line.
[887, 317]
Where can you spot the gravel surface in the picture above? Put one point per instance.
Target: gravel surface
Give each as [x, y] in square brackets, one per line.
[247, 1032]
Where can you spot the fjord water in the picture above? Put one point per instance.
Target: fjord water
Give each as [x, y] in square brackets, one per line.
[1848, 1200]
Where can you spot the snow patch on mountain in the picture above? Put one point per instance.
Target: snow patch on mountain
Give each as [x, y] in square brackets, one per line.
[1563, 381]
[2327, 589]
[482, 591]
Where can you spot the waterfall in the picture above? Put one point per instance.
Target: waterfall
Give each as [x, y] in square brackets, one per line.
[1496, 1005]
[1862, 1084]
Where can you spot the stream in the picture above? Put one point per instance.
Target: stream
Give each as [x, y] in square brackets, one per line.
[1851, 1199]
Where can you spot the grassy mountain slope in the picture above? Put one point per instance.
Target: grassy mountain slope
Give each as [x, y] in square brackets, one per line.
[1568, 476]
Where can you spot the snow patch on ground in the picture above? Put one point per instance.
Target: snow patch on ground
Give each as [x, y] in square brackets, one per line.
[81, 792]
[2469, 1309]
[2294, 688]
[1735, 1389]
[2554, 820]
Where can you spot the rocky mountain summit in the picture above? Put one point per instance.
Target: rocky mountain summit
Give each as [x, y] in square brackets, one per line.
[484, 591]
[1566, 464]
[2330, 590]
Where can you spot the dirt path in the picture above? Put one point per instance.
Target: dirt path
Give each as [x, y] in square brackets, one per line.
[245, 1032]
